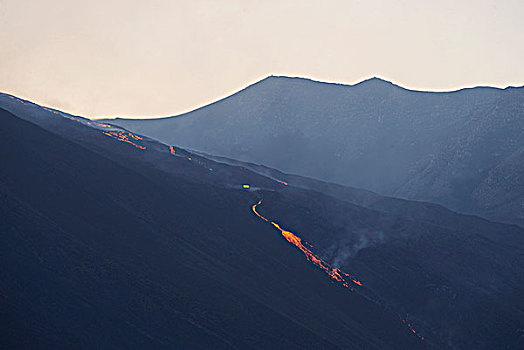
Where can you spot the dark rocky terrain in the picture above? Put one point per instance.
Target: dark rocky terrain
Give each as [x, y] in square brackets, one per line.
[99, 255]
[461, 149]
[114, 240]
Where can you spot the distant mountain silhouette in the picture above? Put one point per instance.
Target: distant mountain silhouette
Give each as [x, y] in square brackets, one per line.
[461, 149]
[114, 240]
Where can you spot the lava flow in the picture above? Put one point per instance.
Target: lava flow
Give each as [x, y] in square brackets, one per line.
[411, 328]
[334, 273]
[172, 150]
[124, 137]
[103, 125]
[50, 110]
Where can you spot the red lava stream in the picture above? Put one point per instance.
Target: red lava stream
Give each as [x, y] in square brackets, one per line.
[334, 273]
[124, 137]
[343, 278]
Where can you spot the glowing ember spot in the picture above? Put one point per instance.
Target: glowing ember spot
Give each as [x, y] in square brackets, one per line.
[190, 158]
[353, 280]
[282, 182]
[334, 273]
[103, 125]
[123, 137]
[50, 111]
[210, 169]
[172, 150]
[412, 329]
[135, 137]
[246, 186]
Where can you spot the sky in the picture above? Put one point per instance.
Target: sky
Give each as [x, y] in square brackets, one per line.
[151, 58]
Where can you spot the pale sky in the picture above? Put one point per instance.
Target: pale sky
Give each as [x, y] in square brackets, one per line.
[163, 57]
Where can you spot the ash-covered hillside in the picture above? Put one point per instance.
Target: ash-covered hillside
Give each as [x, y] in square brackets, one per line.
[111, 239]
[461, 149]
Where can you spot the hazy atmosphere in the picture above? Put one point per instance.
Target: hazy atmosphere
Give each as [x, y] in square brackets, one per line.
[262, 175]
[157, 58]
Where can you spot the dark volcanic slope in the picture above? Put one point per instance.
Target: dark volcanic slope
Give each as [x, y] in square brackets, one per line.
[460, 275]
[111, 233]
[462, 149]
[99, 255]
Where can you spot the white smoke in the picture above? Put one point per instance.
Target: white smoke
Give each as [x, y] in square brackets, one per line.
[354, 243]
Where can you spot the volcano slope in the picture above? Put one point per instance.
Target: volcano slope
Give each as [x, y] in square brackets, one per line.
[151, 239]
[461, 149]
[99, 255]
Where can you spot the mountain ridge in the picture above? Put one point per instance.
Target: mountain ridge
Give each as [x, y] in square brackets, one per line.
[431, 146]
[371, 80]
[291, 77]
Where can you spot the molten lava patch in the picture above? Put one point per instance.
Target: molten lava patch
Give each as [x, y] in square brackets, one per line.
[339, 276]
[124, 137]
[103, 125]
[412, 329]
[343, 278]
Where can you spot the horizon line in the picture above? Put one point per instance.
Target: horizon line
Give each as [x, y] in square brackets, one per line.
[336, 83]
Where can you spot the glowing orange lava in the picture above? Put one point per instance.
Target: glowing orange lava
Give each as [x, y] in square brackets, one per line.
[246, 186]
[124, 137]
[103, 125]
[282, 182]
[50, 110]
[172, 150]
[334, 273]
[134, 136]
[412, 329]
